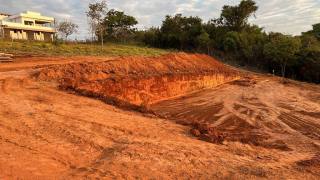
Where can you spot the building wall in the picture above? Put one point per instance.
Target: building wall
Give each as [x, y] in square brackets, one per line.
[38, 36]
[30, 35]
[1, 32]
[6, 33]
[48, 37]
[18, 34]
[3, 16]
[27, 35]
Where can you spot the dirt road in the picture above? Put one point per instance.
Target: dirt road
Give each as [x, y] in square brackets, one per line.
[47, 133]
[21, 63]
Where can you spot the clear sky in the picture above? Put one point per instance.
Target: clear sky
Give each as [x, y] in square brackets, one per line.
[286, 16]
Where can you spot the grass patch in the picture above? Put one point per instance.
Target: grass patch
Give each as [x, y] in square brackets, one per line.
[77, 49]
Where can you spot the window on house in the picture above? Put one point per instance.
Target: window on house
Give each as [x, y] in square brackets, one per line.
[17, 31]
[29, 23]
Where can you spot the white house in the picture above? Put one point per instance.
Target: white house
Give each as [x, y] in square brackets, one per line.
[27, 26]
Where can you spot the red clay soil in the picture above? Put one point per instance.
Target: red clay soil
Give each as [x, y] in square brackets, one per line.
[258, 127]
[140, 81]
[260, 111]
[236, 111]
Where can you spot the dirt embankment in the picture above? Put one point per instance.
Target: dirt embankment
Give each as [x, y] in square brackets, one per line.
[138, 81]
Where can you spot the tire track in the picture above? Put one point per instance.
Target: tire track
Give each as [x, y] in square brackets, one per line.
[305, 127]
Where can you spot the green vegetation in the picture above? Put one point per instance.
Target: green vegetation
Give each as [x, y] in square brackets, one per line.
[235, 18]
[232, 37]
[282, 50]
[96, 14]
[49, 49]
[119, 26]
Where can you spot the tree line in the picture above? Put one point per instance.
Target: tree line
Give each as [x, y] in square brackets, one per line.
[229, 36]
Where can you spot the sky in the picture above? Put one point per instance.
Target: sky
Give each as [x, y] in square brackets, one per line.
[286, 16]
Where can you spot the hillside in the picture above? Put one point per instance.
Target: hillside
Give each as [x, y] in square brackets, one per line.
[26, 48]
[198, 119]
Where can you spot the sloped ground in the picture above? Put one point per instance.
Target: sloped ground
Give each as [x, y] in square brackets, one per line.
[140, 81]
[259, 111]
[47, 133]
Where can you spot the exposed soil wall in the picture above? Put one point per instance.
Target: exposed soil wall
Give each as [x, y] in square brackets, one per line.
[141, 81]
[143, 91]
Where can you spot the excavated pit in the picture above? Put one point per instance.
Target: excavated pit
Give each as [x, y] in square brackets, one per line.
[218, 102]
[136, 82]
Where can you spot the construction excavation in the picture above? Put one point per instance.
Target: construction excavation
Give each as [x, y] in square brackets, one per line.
[173, 116]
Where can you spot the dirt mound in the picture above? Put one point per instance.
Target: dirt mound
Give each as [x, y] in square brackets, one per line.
[139, 81]
[207, 133]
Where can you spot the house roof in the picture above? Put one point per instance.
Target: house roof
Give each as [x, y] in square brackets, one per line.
[33, 15]
[4, 14]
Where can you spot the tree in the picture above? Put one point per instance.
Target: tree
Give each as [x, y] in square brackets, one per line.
[180, 32]
[67, 28]
[216, 34]
[314, 32]
[309, 56]
[236, 17]
[231, 42]
[191, 28]
[152, 37]
[96, 14]
[308, 40]
[204, 40]
[232, 37]
[251, 45]
[119, 25]
[282, 49]
[171, 31]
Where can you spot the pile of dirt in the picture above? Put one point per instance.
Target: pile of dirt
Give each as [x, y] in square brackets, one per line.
[140, 81]
[207, 133]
